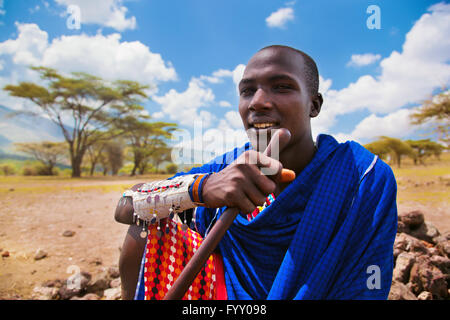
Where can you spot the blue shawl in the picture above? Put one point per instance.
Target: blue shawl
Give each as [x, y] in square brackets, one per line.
[328, 235]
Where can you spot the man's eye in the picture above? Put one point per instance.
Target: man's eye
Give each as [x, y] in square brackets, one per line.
[246, 91]
[283, 86]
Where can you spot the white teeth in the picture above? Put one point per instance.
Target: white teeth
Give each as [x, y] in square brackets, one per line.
[263, 125]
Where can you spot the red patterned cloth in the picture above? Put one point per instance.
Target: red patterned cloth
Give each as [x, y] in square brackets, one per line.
[165, 258]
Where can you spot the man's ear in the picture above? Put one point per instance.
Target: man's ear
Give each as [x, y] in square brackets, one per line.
[316, 105]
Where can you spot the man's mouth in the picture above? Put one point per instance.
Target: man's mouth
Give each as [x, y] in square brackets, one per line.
[265, 125]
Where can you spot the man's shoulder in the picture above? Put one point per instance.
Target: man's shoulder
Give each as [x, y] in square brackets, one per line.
[365, 161]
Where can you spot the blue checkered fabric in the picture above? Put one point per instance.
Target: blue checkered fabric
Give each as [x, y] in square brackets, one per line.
[328, 235]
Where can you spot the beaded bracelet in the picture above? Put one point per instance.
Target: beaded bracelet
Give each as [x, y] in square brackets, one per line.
[196, 188]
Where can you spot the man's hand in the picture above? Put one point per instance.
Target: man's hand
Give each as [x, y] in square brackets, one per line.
[242, 184]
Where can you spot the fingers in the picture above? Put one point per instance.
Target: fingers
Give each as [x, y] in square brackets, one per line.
[268, 165]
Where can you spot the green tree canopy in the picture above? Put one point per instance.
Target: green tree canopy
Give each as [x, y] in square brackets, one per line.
[437, 111]
[146, 140]
[48, 153]
[82, 105]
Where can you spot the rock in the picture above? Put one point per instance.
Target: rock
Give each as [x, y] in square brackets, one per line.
[112, 294]
[444, 248]
[75, 285]
[412, 219]
[89, 296]
[57, 283]
[403, 265]
[399, 291]
[426, 231]
[425, 295]
[44, 293]
[424, 276]
[405, 242]
[68, 233]
[115, 283]
[40, 254]
[113, 272]
[443, 263]
[402, 227]
[99, 283]
[5, 254]
[96, 261]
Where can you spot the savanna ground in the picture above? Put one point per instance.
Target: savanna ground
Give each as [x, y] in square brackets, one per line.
[35, 211]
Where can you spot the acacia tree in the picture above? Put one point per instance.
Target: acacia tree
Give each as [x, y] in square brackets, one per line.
[437, 111]
[82, 105]
[424, 149]
[48, 153]
[146, 139]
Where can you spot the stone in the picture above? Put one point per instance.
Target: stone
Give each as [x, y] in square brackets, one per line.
[57, 283]
[443, 263]
[403, 265]
[96, 261]
[5, 254]
[408, 243]
[112, 294]
[424, 276]
[75, 285]
[425, 295]
[40, 254]
[89, 296]
[444, 248]
[399, 291]
[113, 272]
[426, 231]
[68, 233]
[412, 219]
[99, 283]
[44, 293]
[115, 283]
[402, 227]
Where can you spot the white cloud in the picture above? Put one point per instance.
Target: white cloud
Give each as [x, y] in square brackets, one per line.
[108, 57]
[223, 103]
[2, 11]
[183, 106]
[406, 77]
[359, 60]
[279, 18]
[29, 46]
[104, 56]
[108, 13]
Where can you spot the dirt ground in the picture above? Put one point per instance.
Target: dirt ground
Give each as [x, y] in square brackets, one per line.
[34, 214]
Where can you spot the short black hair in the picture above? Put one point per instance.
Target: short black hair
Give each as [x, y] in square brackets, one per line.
[310, 69]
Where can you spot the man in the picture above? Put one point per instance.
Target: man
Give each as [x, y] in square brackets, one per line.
[329, 234]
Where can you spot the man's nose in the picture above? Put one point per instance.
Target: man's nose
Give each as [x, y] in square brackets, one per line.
[260, 100]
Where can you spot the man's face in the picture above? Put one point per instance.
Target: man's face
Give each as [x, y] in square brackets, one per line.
[273, 94]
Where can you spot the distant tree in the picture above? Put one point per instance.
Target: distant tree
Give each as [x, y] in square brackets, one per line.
[398, 148]
[379, 147]
[114, 152]
[47, 153]
[171, 168]
[82, 105]
[391, 146]
[146, 140]
[424, 149]
[436, 111]
[7, 169]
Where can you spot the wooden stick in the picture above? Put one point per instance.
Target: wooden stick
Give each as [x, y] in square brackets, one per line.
[209, 244]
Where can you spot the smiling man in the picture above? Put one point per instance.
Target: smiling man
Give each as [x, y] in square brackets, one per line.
[328, 234]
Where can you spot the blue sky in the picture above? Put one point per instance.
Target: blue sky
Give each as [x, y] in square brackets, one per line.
[194, 52]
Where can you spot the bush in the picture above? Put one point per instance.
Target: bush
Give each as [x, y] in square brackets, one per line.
[7, 170]
[172, 168]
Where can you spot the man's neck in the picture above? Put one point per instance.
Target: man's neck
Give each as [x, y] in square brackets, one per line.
[296, 157]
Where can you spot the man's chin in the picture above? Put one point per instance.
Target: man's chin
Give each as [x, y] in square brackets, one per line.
[260, 138]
